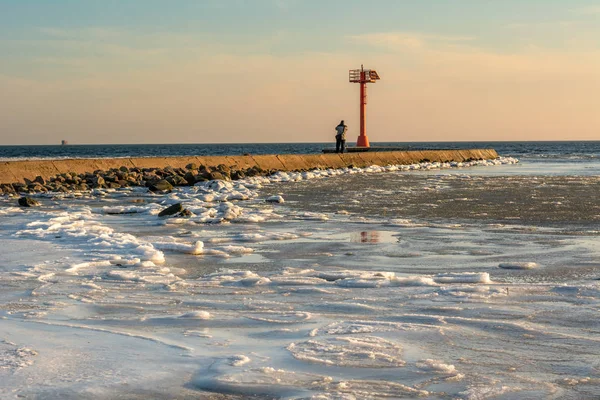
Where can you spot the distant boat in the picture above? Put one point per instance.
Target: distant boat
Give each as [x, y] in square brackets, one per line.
[64, 142]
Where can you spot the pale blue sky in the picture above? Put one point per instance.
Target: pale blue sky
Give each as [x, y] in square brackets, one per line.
[276, 70]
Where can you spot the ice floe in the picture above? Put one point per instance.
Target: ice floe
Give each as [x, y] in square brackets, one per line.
[347, 351]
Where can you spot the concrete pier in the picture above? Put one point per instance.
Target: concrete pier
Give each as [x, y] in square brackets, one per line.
[17, 171]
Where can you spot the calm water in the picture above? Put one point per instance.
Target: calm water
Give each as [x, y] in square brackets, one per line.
[584, 151]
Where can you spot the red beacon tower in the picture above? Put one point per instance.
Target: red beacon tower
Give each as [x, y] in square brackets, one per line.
[363, 76]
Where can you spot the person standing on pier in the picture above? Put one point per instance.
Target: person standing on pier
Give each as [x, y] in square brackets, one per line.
[340, 137]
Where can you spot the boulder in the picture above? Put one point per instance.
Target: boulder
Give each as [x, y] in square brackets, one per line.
[110, 178]
[8, 188]
[20, 187]
[36, 187]
[172, 210]
[177, 180]
[98, 180]
[190, 178]
[185, 213]
[275, 199]
[191, 166]
[28, 202]
[215, 175]
[161, 186]
[237, 174]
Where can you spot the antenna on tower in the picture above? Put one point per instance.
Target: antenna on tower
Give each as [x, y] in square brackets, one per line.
[363, 76]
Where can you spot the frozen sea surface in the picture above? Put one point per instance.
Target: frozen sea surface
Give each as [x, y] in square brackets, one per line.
[404, 282]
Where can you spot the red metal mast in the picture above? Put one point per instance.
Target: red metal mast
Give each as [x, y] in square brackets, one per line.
[363, 76]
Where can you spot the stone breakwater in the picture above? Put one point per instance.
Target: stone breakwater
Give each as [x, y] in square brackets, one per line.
[162, 174]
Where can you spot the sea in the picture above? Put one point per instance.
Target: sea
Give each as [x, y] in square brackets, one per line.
[475, 280]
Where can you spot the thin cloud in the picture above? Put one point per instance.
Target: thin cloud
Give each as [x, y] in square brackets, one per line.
[90, 33]
[542, 25]
[407, 39]
[589, 10]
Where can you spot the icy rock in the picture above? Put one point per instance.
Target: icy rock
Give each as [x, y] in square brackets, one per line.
[28, 202]
[274, 199]
[161, 186]
[518, 265]
[174, 209]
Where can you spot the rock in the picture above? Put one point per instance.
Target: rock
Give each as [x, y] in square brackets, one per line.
[98, 180]
[20, 187]
[177, 180]
[110, 178]
[215, 175]
[185, 213]
[190, 178]
[37, 187]
[275, 199]
[237, 174]
[172, 210]
[167, 171]
[28, 202]
[8, 189]
[161, 186]
[191, 166]
[150, 177]
[254, 171]
[123, 169]
[40, 180]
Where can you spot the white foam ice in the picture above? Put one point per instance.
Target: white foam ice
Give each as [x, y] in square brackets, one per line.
[464, 277]
[357, 327]
[343, 279]
[133, 209]
[350, 351]
[196, 315]
[14, 357]
[436, 366]
[239, 360]
[11, 210]
[83, 227]
[236, 249]
[193, 248]
[265, 236]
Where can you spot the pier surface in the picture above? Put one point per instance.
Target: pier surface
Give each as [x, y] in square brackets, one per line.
[17, 171]
[357, 149]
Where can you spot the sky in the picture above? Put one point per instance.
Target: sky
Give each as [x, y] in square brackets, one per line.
[252, 71]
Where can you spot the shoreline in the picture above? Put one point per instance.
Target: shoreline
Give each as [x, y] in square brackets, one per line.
[20, 172]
